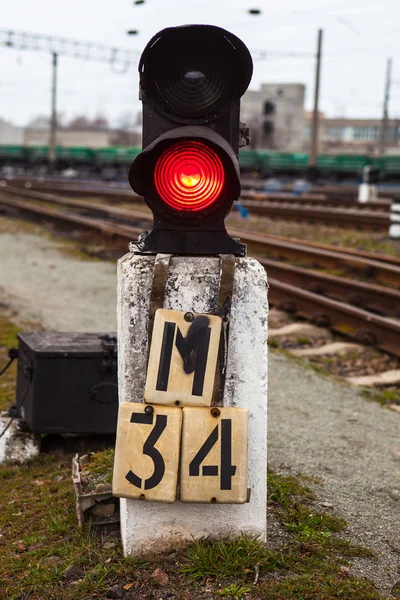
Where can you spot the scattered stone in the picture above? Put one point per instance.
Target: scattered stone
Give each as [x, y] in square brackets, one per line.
[103, 487]
[277, 318]
[386, 378]
[128, 586]
[53, 560]
[345, 571]
[160, 577]
[108, 545]
[73, 572]
[327, 504]
[394, 494]
[83, 460]
[103, 510]
[115, 593]
[20, 547]
[332, 348]
[395, 589]
[300, 329]
[17, 446]
[395, 407]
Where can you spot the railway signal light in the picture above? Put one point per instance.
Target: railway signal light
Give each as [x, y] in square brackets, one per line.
[191, 81]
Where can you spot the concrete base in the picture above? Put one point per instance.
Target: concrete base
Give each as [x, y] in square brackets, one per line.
[17, 446]
[193, 285]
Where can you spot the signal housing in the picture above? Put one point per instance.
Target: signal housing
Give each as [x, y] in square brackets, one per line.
[191, 81]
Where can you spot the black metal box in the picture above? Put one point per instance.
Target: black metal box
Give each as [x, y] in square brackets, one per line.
[67, 382]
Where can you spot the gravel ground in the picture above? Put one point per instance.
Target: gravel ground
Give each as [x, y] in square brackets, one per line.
[317, 425]
[48, 284]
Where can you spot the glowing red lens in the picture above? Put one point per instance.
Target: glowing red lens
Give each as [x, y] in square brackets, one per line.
[189, 176]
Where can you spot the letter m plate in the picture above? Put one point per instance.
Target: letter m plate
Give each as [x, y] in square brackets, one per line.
[183, 358]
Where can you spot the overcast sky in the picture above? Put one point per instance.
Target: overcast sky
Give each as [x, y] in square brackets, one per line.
[359, 36]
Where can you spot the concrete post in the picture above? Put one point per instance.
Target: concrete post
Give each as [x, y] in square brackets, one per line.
[367, 192]
[192, 285]
[394, 227]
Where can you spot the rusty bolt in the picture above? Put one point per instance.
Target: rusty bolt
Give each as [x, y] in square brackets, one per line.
[189, 316]
[177, 402]
[149, 410]
[215, 412]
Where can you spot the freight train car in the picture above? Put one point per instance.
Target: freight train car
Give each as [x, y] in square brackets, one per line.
[114, 161]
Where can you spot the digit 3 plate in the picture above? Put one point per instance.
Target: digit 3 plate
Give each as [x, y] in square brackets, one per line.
[147, 452]
[214, 455]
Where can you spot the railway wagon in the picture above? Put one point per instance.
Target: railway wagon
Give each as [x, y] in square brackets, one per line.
[263, 163]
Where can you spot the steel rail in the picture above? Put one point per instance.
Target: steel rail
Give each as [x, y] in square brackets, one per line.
[254, 201]
[349, 320]
[106, 227]
[376, 220]
[353, 322]
[388, 274]
[385, 258]
[129, 195]
[374, 298]
[299, 253]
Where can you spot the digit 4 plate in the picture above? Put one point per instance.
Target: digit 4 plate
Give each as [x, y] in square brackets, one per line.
[147, 452]
[214, 455]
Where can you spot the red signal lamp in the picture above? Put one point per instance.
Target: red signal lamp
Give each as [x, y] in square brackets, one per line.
[189, 176]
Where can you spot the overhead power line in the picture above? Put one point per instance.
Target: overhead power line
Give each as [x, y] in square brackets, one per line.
[20, 40]
[117, 58]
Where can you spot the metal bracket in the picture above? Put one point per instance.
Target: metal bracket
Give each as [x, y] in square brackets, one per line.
[157, 295]
[109, 347]
[223, 310]
[224, 303]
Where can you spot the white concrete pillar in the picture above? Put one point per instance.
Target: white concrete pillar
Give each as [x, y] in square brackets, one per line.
[367, 193]
[192, 285]
[394, 227]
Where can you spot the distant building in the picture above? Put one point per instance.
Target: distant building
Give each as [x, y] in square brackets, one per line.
[10, 135]
[275, 115]
[352, 136]
[67, 138]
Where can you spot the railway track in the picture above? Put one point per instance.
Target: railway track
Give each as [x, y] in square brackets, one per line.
[344, 212]
[361, 310]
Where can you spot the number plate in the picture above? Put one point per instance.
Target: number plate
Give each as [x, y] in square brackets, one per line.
[183, 359]
[214, 455]
[147, 452]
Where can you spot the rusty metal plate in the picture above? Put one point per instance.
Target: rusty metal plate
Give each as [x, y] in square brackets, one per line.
[183, 358]
[147, 452]
[214, 455]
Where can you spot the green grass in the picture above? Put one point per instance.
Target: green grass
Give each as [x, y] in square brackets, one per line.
[40, 538]
[99, 469]
[309, 566]
[8, 339]
[227, 558]
[383, 397]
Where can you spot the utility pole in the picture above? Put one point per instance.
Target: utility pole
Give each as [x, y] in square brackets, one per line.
[53, 121]
[385, 116]
[66, 47]
[312, 163]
